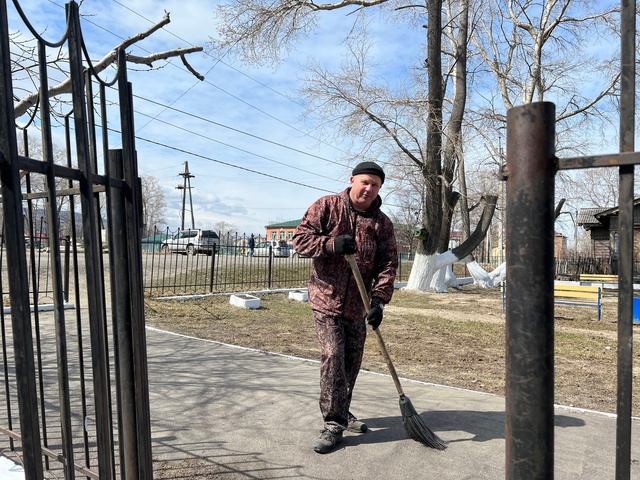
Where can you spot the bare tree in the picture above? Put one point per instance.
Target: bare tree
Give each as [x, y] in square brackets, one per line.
[535, 51]
[225, 229]
[524, 51]
[24, 66]
[153, 204]
[398, 125]
[540, 51]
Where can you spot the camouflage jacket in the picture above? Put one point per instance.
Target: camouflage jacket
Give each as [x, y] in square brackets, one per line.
[332, 287]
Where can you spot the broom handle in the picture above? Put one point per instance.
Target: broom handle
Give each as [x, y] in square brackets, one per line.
[365, 300]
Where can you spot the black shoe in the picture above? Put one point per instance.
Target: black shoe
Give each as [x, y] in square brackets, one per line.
[356, 426]
[326, 441]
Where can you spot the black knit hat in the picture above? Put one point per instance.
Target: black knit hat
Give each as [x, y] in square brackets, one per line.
[370, 168]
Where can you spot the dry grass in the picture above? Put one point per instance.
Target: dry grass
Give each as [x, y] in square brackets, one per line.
[455, 339]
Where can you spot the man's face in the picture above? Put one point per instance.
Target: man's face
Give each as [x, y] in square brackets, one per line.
[364, 190]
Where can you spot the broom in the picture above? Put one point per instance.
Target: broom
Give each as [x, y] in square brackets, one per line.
[413, 424]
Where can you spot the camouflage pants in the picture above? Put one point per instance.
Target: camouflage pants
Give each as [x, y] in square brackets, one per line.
[341, 345]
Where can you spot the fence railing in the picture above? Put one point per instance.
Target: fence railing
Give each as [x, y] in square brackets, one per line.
[229, 268]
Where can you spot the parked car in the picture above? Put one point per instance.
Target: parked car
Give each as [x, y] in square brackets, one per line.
[192, 241]
[277, 248]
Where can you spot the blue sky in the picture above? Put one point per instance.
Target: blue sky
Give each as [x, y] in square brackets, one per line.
[240, 119]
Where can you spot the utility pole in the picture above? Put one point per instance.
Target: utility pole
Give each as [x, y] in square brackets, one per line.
[186, 187]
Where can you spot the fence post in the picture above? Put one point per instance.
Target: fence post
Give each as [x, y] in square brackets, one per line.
[16, 263]
[530, 174]
[628, 53]
[213, 267]
[270, 267]
[121, 301]
[67, 267]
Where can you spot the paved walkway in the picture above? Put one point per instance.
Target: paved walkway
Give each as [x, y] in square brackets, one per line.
[223, 412]
[246, 414]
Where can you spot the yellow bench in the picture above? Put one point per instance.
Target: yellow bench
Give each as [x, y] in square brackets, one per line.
[593, 277]
[571, 295]
[578, 296]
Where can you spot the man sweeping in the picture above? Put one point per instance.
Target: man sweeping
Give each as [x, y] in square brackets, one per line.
[334, 226]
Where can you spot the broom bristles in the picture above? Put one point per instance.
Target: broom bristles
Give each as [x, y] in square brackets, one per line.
[415, 427]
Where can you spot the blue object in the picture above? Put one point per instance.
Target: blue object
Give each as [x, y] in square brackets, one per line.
[636, 310]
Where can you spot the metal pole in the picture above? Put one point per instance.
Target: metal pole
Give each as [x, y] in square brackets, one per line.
[625, 230]
[270, 266]
[575, 234]
[189, 177]
[133, 209]
[56, 272]
[122, 312]
[93, 252]
[530, 174]
[17, 265]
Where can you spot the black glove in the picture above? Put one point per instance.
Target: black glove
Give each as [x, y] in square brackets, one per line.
[344, 245]
[374, 318]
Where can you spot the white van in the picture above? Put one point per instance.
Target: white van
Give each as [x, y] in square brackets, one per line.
[192, 241]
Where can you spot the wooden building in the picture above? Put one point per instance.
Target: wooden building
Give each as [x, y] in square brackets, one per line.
[602, 225]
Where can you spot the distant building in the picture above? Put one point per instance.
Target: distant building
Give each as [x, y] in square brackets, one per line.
[282, 231]
[560, 246]
[598, 227]
[602, 225]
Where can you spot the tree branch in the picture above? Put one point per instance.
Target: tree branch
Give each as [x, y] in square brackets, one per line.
[188, 66]
[149, 59]
[481, 230]
[31, 99]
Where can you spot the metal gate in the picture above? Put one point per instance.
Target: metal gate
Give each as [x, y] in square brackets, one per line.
[75, 376]
[530, 176]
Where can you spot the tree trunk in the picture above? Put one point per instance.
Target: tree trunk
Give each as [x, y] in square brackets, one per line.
[434, 201]
[440, 164]
[454, 138]
[428, 272]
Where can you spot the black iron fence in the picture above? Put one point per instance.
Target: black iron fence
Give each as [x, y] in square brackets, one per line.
[571, 268]
[530, 271]
[230, 267]
[75, 399]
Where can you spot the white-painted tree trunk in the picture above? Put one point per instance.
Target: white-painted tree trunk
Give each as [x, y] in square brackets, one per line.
[484, 279]
[434, 273]
[450, 278]
[429, 272]
[422, 272]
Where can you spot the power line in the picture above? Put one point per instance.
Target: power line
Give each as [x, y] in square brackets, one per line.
[211, 159]
[243, 150]
[170, 107]
[198, 117]
[218, 60]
